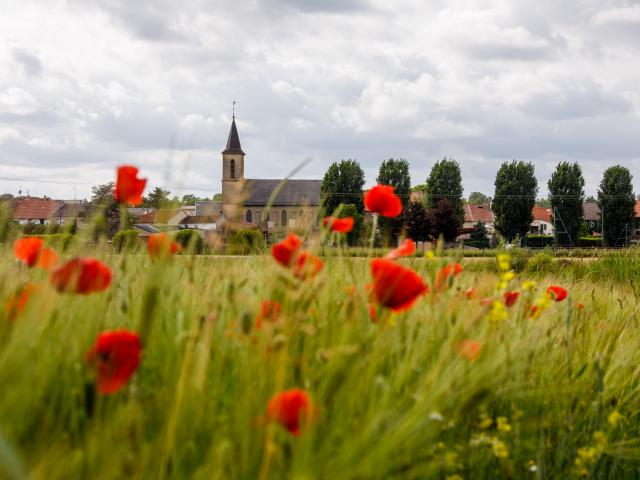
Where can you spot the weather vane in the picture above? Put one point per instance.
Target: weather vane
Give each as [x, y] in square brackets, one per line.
[234, 109]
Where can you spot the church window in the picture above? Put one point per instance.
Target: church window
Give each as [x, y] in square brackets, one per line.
[249, 216]
[284, 218]
[232, 168]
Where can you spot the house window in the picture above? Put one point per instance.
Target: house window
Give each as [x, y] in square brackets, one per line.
[232, 168]
[283, 218]
[249, 216]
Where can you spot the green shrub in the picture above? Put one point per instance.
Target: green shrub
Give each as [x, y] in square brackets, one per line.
[125, 240]
[190, 240]
[243, 242]
[541, 262]
[519, 259]
[589, 242]
[8, 229]
[539, 241]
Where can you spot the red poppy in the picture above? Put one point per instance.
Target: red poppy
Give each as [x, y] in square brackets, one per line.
[556, 293]
[81, 275]
[373, 313]
[47, 259]
[470, 293]
[307, 265]
[293, 409]
[116, 356]
[285, 251]
[470, 349]
[32, 251]
[269, 311]
[580, 306]
[129, 188]
[18, 302]
[27, 249]
[511, 297]
[395, 286]
[160, 245]
[445, 273]
[382, 199]
[407, 249]
[340, 225]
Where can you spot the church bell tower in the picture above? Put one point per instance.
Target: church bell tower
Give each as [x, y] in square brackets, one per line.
[232, 174]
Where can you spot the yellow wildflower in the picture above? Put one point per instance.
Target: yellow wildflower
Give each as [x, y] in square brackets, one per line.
[430, 255]
[485, 422]
[529, 285]
[498, 312]
[504, 262]
[499, 449]
[503, 424]
[614, 418]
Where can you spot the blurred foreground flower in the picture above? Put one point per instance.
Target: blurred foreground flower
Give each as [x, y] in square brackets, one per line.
[269, 312]
[116, 356]
[557, 293]
[33, 252]
[304, 264]
[129, 188]
[511, 297]
[381, 199]
[161, 246]
[307, 265]
[293, 409]
[18, 301]
[407, 249]
[469, 349]
[285, 251]
[395, 286]
[446, 275]
[81, 275]
[339, 225]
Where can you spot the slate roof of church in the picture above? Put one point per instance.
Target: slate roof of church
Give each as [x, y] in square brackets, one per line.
[233, 141]
[293, 192]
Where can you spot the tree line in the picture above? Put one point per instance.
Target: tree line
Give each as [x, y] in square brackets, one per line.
[440, 212]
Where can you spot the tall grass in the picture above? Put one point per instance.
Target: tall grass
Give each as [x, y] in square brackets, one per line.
[552, 397]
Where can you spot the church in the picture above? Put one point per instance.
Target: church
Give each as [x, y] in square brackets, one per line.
[246, 200]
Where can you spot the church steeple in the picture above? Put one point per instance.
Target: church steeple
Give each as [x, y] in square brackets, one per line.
[233, 141]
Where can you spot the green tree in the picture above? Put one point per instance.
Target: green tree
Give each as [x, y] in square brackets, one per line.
[106, 211]
[190, 199]
[342, 183]
[566, 193]
[445, 182]
[444, 220]
[478, 237]
[516, 188]
[418, 225]
[157, 198]
[617, 205]
[477, 198]
[395, 173]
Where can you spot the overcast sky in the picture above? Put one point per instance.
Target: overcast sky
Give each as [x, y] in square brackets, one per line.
[90, 84]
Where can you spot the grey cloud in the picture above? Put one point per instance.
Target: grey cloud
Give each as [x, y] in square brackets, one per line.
[29, 62]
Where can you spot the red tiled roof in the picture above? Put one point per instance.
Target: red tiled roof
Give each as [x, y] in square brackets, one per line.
[149, 217]
[35, 208]
[478, 213]
[638, 209]
[542, 214]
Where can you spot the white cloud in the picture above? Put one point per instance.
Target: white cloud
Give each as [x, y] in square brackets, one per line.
[17, 101]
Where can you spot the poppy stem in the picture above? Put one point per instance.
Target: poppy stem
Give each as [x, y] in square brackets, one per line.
[374, 227]
[123, 217]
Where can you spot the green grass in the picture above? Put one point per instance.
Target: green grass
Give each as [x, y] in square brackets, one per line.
[395, 399]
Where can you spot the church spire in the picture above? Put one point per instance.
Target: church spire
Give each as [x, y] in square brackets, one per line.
[233, 141]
